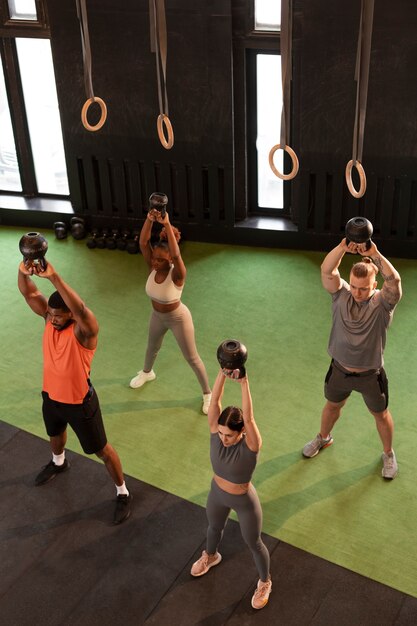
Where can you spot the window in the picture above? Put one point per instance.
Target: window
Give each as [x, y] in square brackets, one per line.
[9, 167]
[267, 14]
[22, 9]
[32, 158]
[268, 128]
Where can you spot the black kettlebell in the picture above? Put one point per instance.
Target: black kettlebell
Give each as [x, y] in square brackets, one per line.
[33, 247]
[111, 242]
[101, 240]
[78, 228]
[359, 230]
[61, 230]
[121, 242]
[132, 245]
[92, 240]
[232, 354]
[158, 201]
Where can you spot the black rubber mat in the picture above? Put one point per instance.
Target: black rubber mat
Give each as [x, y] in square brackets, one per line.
[63, 563]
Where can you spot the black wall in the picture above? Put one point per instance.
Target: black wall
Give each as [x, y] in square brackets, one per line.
[113, 171]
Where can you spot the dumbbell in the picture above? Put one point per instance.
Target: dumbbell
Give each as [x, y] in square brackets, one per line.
[61, 230]
[78, 228]
[132, 245]
[92, 240]
[33, 247]
[232, 355]
[359, 230]
[111, 242]
[101, 240]
[158, 201]
[121, 243]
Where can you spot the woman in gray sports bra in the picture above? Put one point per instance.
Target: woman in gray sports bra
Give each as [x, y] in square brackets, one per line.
[164, 287]
[234, 445]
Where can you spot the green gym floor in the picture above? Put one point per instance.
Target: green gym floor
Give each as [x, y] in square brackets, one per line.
[336, 505]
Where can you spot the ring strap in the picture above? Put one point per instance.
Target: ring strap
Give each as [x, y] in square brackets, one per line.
[158, 32]
[85, 43]
[363, 55]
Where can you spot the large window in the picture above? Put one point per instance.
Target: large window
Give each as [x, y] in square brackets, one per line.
[270, 189]
[32, 157]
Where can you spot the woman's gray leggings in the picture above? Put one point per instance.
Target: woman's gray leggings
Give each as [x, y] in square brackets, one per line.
[181, 324]
[249, 512]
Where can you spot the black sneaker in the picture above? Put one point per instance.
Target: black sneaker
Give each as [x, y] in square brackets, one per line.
[50, 471]
[123, 508]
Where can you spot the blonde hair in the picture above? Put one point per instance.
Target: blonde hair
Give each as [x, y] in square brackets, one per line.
[364, 268]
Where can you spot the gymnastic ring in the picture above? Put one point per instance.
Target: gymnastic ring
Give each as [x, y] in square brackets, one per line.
[294, 159]
[161, 121]
[362, 178]
[85, 108]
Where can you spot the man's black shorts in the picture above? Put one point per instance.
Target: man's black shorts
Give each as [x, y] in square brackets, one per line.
[85, 419]
[372, 384]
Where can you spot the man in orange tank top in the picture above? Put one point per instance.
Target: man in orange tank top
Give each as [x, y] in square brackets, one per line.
[69, 344]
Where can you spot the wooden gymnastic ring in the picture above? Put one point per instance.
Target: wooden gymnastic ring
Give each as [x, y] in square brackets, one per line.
[362, 178]
[161, 121]
[294, 159]
[85, 108]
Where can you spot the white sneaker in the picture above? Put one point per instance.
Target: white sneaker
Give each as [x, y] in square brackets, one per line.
[142, 378]
[206, 402]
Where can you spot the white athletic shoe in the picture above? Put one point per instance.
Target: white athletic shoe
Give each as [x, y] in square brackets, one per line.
[206, 402]
[142, 378]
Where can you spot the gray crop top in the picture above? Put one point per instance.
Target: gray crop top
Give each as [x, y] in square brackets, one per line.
[233, 463]
[165, 292]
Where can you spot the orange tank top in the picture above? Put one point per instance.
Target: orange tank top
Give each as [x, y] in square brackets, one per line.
[66, 365]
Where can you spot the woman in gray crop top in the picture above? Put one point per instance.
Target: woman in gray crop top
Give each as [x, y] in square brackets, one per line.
[164, 286]
[234, 445]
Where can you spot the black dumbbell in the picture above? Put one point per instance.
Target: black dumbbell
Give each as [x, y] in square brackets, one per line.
[158, 201]
[33, 247]
[232, 355]
[78, 228]
[132, 245]
[121, 243]
[101, 240]
[359, 230]
[92, 240]
[111, 242]
[61, 230]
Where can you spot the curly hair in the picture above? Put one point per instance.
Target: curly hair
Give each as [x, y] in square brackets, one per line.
[364, 268]
[163, 234]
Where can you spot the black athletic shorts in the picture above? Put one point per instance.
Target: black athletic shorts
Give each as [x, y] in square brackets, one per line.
[372, 384]
[85, 419]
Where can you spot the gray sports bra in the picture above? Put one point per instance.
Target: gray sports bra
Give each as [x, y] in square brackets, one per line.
[233, 463]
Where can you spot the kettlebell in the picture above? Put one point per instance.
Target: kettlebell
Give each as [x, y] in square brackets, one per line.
[359, 230]
[92, 240]
[78, 228]
[158, 200]
[33, 247]
[232, 354]
[61, 231]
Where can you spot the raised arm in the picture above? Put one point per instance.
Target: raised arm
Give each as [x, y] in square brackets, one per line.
[253, 436]
[145, 238]
[86, 329]
[35, 299]
[391, 289]
[330, 276]
[215, 407]
[179, 272]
